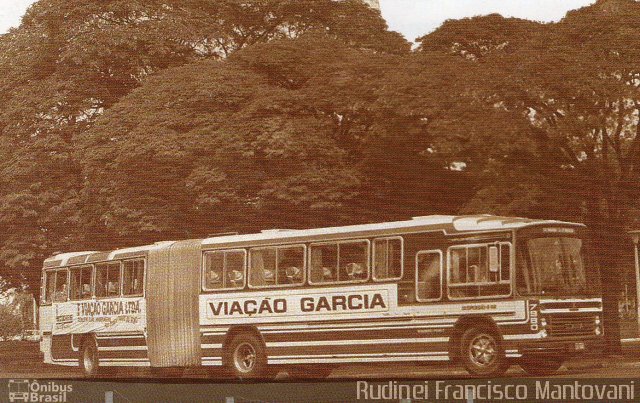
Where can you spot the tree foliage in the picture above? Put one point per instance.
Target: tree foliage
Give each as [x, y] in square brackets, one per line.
[129, 122]
[571, 91]
[292, 133]
[71, 61]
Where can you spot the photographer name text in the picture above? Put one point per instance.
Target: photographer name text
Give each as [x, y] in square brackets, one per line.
[490, 390]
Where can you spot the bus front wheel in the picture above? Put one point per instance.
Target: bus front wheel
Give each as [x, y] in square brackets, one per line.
[482, 354]
[89, 357]
[247, 358]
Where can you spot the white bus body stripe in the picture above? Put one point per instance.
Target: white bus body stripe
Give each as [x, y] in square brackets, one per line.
[352, 342]
[125, 364]
[538, 335]
[356, 359]
[122, 348]
[122, 336]
[211, 362]
[213, 345]
[575, 310]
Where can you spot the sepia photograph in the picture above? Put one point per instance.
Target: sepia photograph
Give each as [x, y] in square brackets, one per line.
[319, 200]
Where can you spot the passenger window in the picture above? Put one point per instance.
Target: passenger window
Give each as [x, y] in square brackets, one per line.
[108, 279]
[279, 266]
[291, 265]
[342, 262]
[353, 258]
[263, 267]
[505, 261]
[224, 270]
[214, 270]
[50, 283]
[62, 290]
[387, 262]
[133, 281]
[234, 269]
[324, 263]
[429, 276]
[470, 274]
[81, 282]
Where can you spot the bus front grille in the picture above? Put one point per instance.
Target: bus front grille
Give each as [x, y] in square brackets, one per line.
[571, 325]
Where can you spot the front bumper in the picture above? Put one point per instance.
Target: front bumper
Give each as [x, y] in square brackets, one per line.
[565, 347]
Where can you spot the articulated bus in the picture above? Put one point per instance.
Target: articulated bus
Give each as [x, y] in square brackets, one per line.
[483, 291]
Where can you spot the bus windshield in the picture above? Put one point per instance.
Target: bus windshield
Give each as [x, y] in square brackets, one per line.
[554, 266]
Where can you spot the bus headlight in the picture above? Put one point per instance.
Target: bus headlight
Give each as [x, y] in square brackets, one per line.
[597, 320]
[598, 331]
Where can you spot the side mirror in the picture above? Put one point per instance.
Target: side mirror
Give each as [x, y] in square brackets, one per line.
[494, 259]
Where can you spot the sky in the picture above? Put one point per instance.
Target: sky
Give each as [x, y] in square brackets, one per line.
[412, 18]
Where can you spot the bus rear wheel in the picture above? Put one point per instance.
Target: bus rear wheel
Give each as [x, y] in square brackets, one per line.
[482, 354]
[89, 362]
[247, 358]
[540, 366]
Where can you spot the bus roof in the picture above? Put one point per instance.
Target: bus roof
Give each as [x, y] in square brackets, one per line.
[447, 224]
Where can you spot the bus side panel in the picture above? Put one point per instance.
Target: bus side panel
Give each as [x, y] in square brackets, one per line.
[391, 341]
[61, 348]
[45, 321]
[212, 341]
[173, 288]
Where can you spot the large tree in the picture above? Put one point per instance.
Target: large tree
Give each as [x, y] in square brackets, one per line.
[568, 97]
[294, 133]
[70, 61]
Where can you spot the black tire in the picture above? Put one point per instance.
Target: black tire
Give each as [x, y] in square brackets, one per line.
[540, 366]
[309, 371]
[88, 358]
[482, 354]
[246, 358]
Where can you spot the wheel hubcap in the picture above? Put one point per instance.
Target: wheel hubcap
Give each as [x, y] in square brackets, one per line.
[482, 350]
[244, 358]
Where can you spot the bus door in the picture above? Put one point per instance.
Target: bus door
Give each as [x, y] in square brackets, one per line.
[429, 273]
[628, 297]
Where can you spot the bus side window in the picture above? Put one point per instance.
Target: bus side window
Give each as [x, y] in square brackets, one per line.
[80, 282]
[505, 261]
[470, 272]
[133, 281]
[353, 261]
[263, 267]
[62, 289]
[387, 260]
[234, 267]
[324, 263]
[108, 279]
[50, 282]
[224, 270]
[429, 276]
[214, 270]
[290, 265]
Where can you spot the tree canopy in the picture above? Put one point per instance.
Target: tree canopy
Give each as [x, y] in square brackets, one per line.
[126, 122]
[70, 62]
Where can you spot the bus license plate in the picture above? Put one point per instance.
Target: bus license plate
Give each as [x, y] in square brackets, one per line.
[579, 346]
